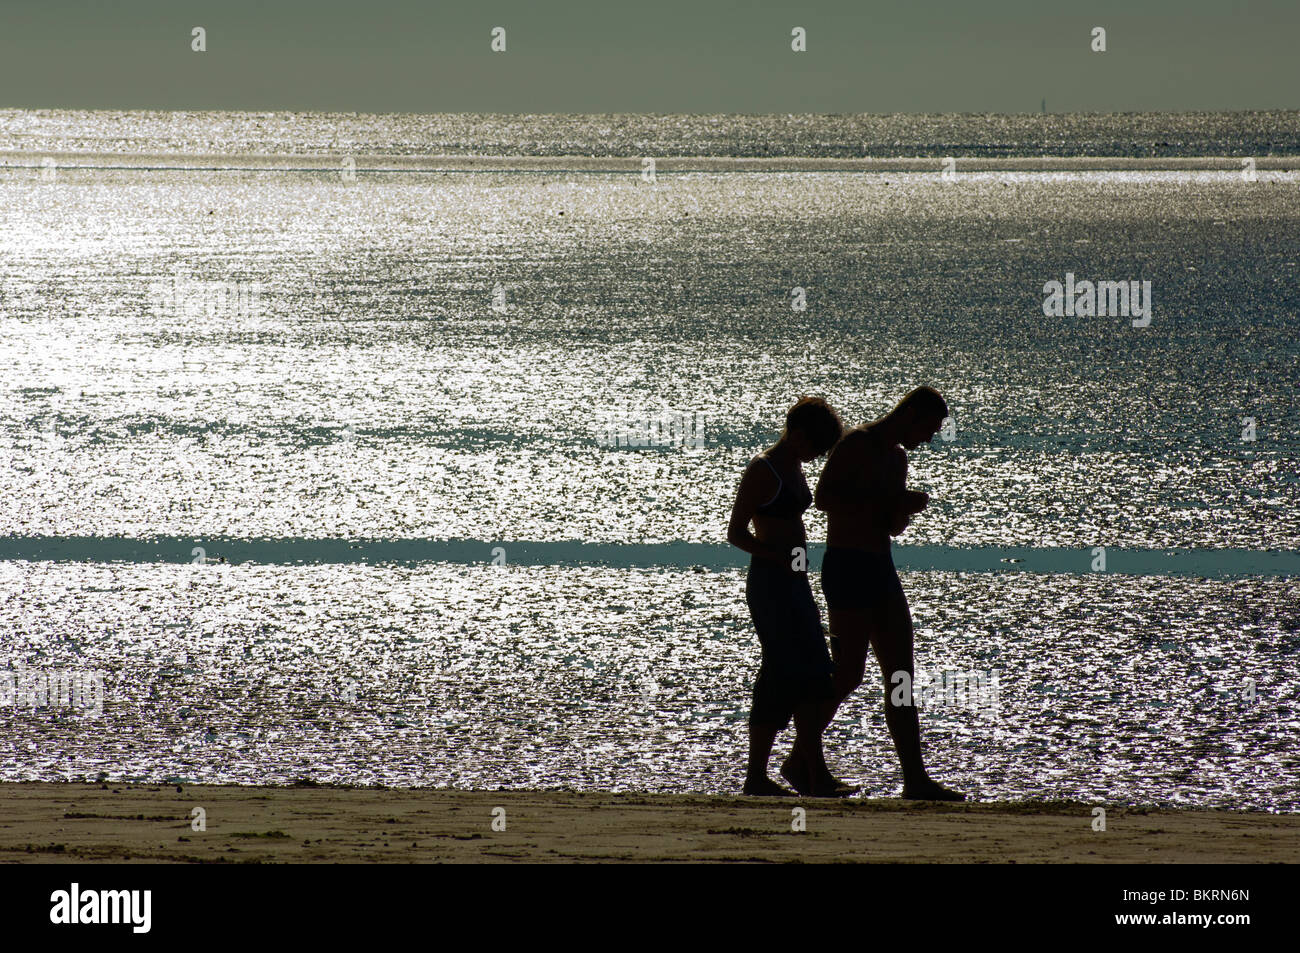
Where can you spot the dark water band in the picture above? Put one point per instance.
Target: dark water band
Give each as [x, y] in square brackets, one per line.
[1210, 563]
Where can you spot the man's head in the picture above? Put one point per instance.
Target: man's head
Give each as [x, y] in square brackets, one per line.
[812, 427]
[920, 415]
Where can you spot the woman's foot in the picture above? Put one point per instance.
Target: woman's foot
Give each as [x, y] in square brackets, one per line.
[929, 790]
[764, 787]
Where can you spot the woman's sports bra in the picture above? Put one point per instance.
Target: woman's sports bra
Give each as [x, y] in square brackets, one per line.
[790, 501]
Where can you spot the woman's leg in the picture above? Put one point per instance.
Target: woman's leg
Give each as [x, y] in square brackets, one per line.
[767, 718]
[767, 715]
[757, 783]
[806, 767]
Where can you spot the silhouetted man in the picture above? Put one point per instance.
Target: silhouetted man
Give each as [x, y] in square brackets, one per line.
[863, 491]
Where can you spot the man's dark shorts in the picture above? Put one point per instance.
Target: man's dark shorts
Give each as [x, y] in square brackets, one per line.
[857, 579]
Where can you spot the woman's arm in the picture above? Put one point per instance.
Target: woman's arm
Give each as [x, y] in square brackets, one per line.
[756, 487]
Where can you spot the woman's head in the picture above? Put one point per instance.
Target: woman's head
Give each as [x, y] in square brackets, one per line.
[812, 427]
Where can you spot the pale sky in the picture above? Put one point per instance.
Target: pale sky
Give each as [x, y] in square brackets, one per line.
[653, 56]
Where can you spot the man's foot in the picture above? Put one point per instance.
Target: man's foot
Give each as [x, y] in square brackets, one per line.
[841, 788]
[830, 787]
[764, 787]
[795, 770]
[931, 791]
[795, 773]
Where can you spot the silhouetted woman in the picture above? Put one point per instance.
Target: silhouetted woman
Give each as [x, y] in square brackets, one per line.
[794, 679]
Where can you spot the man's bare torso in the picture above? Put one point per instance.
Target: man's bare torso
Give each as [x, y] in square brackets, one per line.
[858, 490]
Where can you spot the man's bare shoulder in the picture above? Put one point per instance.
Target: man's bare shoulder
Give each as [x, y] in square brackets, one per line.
[848, 450]
[857, 438]
[860, 443]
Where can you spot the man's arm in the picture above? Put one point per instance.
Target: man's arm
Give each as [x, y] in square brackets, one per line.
[902, 502]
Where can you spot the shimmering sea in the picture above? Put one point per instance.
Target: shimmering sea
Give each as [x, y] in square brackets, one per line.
[307, 462]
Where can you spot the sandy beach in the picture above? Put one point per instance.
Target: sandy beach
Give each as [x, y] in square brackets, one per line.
[79, 823]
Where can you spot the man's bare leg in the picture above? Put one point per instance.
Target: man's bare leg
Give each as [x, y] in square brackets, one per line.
[806, 767]
[850, 643]
[891, 638]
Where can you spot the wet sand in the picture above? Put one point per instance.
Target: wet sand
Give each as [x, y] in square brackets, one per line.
[62, 823]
